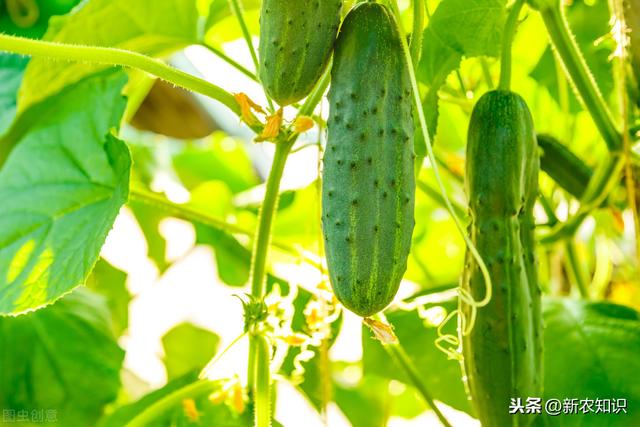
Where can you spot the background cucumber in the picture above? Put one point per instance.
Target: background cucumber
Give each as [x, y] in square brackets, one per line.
[503, 353]
[296, 39]
[563, 166]
[368, 190]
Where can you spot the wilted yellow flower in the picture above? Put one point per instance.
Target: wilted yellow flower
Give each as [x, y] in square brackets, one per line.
[190, 409]
[272, 128]
[247, 106]
[302, 124]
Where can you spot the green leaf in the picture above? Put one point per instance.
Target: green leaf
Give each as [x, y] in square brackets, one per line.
[364, 404]
[63, 358]
[149, 219]
[457, 29]
[150, 159]
[591, 351]
[222, 26]
[470, 27]
[233, 260]
[11, 70]
[219, 10]
[188, 348]
[294, 222]
[61, 188]
[127, 24]
[110, 282]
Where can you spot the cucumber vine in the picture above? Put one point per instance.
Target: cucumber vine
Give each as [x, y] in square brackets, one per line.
[118, 57]
[609, 171]
[508, 35]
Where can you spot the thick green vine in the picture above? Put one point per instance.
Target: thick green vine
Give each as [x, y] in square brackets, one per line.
[117, 57]
[507, 42]
[552, 13]
[609, 171]
[263, 236]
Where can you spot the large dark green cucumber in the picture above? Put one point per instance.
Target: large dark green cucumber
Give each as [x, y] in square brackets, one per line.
[368, 183]
[503, 352]
[296, 39]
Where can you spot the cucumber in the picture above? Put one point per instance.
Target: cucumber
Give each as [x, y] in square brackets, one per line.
[564, 167]
[368, 192]
[503, 352]
[296, 40]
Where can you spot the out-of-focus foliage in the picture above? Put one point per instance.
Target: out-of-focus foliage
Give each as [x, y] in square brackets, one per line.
[66, 173]
[63, 359]
[187, 349]
[110, 282]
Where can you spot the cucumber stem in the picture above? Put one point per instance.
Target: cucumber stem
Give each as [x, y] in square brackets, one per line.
[262, 390]
[577, 271]
[265, 219]
[416, 34]
[507, 42]
[263, 237]
[260, 251]
[117, 57]
[605, 178]
[578, 71]
[220, 54]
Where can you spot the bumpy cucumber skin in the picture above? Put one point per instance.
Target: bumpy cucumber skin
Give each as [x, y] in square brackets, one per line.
[503, 353]
[368, 193]
[296, 40]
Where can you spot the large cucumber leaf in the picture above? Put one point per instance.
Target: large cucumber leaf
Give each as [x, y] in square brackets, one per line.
[60, 365]
[153, 29]
[61, 189]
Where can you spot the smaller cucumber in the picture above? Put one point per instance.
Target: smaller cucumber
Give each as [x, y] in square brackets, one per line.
[296, 40]
[564, 167]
